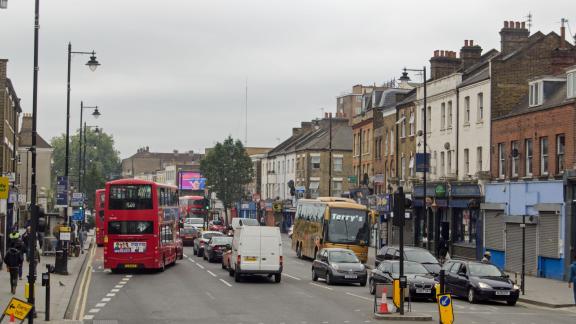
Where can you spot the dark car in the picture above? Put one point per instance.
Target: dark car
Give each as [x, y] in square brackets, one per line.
[421, 283]
[201, 241]
[478, 281]
[338, 265]
[188, 235]
[214, 248]
[419, 255]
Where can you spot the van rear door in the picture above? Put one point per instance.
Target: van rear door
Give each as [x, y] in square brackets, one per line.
[270, 249]
[249, 248]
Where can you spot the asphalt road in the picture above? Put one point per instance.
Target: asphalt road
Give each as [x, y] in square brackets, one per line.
[195, 291]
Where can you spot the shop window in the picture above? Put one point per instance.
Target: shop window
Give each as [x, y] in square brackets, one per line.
[464, 226]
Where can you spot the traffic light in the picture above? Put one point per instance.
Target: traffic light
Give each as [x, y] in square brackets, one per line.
[292, 187]
[206, 204]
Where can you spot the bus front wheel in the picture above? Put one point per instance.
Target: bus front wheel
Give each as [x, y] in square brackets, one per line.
[299, 250]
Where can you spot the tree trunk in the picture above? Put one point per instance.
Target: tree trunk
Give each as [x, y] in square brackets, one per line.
[226, 216]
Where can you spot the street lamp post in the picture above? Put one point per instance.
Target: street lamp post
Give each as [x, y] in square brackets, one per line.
[330, 157]
[96, 114]
[83, 165]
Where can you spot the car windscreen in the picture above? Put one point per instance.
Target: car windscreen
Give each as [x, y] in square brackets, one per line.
[188, 230]
[217, 240]
[409, 268]
[484, 270]
[348, 226]
[194, 221]
[131, 227]
[420, 256]
[342, 257]
[210, 235]
[130, 197]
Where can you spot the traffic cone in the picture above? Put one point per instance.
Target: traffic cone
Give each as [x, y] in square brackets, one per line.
[12, 319]
[384, 303]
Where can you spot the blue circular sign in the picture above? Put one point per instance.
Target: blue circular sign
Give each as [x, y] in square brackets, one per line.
[444, 301]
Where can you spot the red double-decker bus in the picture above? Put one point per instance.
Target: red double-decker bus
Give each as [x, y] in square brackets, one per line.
[193, 206]
[142, 225]
[99, 202]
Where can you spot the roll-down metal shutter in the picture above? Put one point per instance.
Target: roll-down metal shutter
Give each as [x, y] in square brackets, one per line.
[548, 235]
[494, 230]
[514, 248]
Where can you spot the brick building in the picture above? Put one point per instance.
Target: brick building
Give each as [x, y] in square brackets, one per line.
[145, 163]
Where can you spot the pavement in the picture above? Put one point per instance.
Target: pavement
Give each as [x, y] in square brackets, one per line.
[61, 287]
[195, 291]
[539, 291]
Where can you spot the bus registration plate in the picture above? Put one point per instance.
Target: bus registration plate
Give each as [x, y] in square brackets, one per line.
[130, 266]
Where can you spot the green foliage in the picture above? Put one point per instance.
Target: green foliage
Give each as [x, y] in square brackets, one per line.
[102, 161]
[227, 169]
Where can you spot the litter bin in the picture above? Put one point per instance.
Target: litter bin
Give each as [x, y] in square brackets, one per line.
[60, 266]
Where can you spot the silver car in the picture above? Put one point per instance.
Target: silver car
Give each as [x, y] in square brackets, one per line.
[338, 266]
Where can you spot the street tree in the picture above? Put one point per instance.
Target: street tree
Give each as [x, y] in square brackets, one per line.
[100, 164]
[227, 168]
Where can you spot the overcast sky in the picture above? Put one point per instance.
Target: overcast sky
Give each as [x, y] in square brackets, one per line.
[173, 72]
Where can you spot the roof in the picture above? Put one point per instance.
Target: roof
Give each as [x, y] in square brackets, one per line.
[555, 98]
[484, 74]
[14, 95]
[26, 140]
[410, 98]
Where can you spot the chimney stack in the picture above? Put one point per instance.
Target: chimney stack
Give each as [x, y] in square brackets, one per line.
[470, 54]
[443, 63]
[512, 36]
[562, 34]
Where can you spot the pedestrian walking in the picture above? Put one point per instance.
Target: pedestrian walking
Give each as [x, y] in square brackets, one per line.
[19, 245]
[25, 242]
[487, 257]
[14, 235]
[81, 238]
[572, 281]
[12, 260]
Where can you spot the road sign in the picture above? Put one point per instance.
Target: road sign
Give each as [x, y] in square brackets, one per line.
[78, 215]
[62, 192]
[445, 309]
[352, 179]
[4, 187]
[18, 308]
[77, 195]
[65, 233]
[77, 200]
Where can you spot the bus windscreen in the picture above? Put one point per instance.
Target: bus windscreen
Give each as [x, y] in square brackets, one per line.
[348, 226]
[130, 197]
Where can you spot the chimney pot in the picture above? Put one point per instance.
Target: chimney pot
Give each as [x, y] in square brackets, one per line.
[517, 25]
[465, 42]
[505, 24]
[436, 53]
[442, 53]
[471, 42]
[511, 24]
[523, 25]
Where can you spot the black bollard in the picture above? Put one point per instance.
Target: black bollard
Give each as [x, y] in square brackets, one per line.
[442, 278]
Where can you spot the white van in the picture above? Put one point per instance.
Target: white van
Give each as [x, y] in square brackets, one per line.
[256, 250]
[237, 222]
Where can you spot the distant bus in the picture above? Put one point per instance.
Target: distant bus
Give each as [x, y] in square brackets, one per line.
[142, 225]
[327, 222]
[99, 202]
[194, 207]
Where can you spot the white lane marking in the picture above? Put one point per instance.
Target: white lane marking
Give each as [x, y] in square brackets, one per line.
[119, 286]
[114, 290]
[289, 276]
[94, 310]
[185, 255]
[125, 279]
[88, 317]
[210, 295]
[128, 276]
[100, 305]
[191, 260]
[366, 298]
[317, 285]
[212, 273]
[110, 295]
[106, 299]
[200, 266]
[107, 270]
[226, 283]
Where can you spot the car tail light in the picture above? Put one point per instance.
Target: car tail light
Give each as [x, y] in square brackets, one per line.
[281, 260]
[238, 259]
[216, 248]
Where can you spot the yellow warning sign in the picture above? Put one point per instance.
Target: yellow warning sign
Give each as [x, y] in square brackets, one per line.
[4, 187]
[445, 309]
[18, 308]
[396, 292]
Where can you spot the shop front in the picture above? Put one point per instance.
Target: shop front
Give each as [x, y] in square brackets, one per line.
[466, 228]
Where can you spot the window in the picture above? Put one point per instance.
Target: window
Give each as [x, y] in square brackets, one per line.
[429, 120]
[386, 144]
[449, 162]
[543, 155]
[528, 157]
[449, 120]
[392, 143]
[336, 188]
[435, 163]
[403, 126]
[501, 160]
[466, 110]
[465, 226]
[314, 185]
[412, 123]
[535, 95]
[560, 146]
[354, 148]
[411, 167]
[338, 163]
[422, 121]
[571, 85]
[403, 168]
[479, 159]
[130, 197]
[514, 152]
[131, 227]
[480, 112]
[442, 164]
[442, 116]
[315, 160]
[466, 162]
[368, 142]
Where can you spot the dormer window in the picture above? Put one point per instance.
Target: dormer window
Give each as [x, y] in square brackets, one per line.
[571, 84]
[535, 93]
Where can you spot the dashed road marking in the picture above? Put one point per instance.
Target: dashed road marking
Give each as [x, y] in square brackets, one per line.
[108, 270]
[292, 277]
[200, 266]
[191, 260]
[94, 310]
[125, 279]
[114, 290]
[185, 255]
[128, 276]
[100, 305]
[212, 273]
[226, 282]
[366, 298]
[320, 286]
[88, 317]
[119, 286]
[210, 295]
[110, 295]
[106, 299]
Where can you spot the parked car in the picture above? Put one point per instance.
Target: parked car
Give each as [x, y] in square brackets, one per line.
[216, 225]
[338, 265]
[196, 222]
[214, 248]
[478, 281]
[188, 235]
[415, 254]
[256, 250]
[226, 257]
[201, 241]
[421, 283]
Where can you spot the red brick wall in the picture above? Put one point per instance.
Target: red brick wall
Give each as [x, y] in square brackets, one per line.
[549, 122]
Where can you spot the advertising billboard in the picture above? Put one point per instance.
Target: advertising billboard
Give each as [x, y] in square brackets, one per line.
[190, 180]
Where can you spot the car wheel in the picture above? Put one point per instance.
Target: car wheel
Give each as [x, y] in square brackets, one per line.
[471, 296]
[314, 275]
[329, 280]
[371, 286]
[194, 251]
[277, 277]
[230, 272]
[299, 251]
[237, 277]
[363, 283]
[511, 302]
